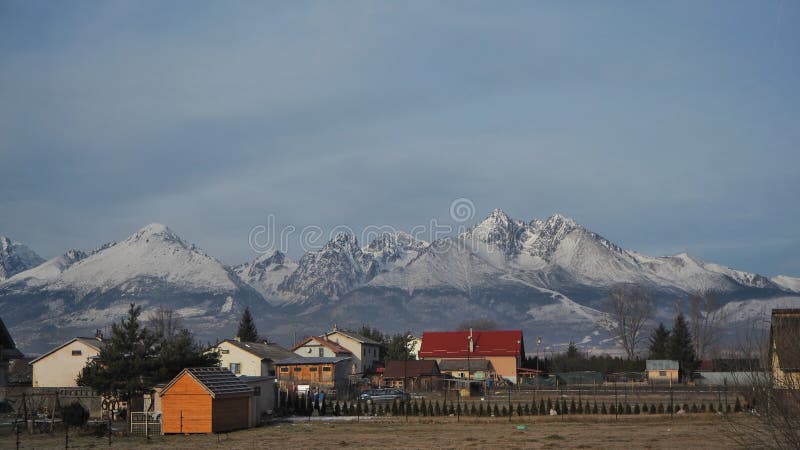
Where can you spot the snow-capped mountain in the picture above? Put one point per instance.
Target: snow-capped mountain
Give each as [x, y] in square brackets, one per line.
[266, 273]
[15, 258]
[153, 267]
[334, 270]
[548, 277]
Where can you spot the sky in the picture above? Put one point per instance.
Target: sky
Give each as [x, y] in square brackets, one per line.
[663, 126]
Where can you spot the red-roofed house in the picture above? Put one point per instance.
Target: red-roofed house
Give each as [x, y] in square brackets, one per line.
[504, 348]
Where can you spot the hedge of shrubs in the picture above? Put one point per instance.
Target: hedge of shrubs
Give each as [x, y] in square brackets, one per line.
[305, 406]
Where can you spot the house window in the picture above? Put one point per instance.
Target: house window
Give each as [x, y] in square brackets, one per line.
[321, 351]
[224, 351]
[298, 369]
[662, 373]
[236, 367]
[313, 369]
[284, 369]
[257, 391]
[326, 369]
[77, 353]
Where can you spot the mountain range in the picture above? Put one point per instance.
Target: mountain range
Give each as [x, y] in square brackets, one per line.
[548, 277]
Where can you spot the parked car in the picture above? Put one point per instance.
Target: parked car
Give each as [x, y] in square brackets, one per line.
[385, 395]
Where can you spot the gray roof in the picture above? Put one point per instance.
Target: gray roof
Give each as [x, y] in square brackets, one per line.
[452, 365]
[296, 360]
[252, 379]
[356, 336]
[218, 381]
[661, 364]
[262, 350]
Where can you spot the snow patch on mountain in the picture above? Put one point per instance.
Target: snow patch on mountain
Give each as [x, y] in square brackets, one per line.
[757, 311]
[15, 258]
[787, 283]
[46, 272]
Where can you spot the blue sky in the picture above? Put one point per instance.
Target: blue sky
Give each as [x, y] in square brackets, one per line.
[664, 126]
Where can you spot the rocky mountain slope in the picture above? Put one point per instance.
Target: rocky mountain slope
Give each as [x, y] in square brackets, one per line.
[15, 258]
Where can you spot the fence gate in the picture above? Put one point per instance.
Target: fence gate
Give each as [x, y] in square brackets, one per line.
[143, 424]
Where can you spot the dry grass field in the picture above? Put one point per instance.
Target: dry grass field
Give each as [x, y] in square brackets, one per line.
[690, 431]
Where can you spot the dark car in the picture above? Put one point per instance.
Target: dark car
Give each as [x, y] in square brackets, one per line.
[385, 395]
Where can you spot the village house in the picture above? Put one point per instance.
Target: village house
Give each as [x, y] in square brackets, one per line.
[205, 400]
[320, 347]
[415, 375]
[366, 352]
[8, 351]
[254, 359]
[60, 367]
[505, 349]
[662, 370]
[468, 369]
[301, 374]
[784, 338]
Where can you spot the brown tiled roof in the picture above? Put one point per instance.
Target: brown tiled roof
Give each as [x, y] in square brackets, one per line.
[784, 336]
[332, 346]
[411, 369]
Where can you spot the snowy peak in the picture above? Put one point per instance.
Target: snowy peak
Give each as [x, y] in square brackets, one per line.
[15, 258]
[392, 250]
[266, 273]
[334, 270]
[787, 283]
[48, 271]
[500, 230]
[153, 253]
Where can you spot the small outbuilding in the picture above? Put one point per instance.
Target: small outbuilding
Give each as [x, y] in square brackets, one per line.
[205, 400]
[662, 370]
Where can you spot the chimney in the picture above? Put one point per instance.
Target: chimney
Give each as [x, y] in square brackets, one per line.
[471, 342]
[335, 328]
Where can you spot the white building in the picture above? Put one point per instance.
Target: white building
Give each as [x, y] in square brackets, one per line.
[60, 367]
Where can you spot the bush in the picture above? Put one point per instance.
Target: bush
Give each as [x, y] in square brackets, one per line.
[738, 406]
[603, 409]
[423, 408]
[542, 411]
[472, 410]
[438, 409]
[74, 415]
[594, 409]
[527, 410]
[430, 409]
[504, 411]
[496, 411]
[661, 408]
[481, 412]
[572, 409]
[415, 408]
[636, 409]
[628, 409]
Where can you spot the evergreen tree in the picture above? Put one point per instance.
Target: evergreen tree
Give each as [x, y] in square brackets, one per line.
[247, 328]
[126, 364]
[472, 410]
[681, 348]
[430, 409]
[496, 411]
[659, 343]
[178, 352]
[481, 412]
[423, 408]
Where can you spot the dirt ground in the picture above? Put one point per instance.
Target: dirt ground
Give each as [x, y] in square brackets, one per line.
[691, 431]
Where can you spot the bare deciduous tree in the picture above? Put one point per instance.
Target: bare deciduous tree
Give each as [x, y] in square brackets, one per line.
[706, 317]
[164, 323]
[629, 306]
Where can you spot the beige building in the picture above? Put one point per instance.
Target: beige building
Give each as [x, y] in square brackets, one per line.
[262, 402]
[366, 352]
[784, 349]
[60, 367]
[319, 347]
[254, 359]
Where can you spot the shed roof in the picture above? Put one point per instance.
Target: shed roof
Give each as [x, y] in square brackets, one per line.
[472, 365]
[299, 360]
[411, 369]
[218, 381]
[261, 349]
[455, 344]
[784, 335]
[661, 364]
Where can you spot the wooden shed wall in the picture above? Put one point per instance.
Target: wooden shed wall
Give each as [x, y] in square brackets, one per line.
[188, 399]
[230, 413]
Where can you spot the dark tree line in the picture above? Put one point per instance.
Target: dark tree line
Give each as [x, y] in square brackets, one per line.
[675, 344]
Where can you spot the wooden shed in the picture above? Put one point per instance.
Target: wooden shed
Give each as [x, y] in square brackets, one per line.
[205, 400]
